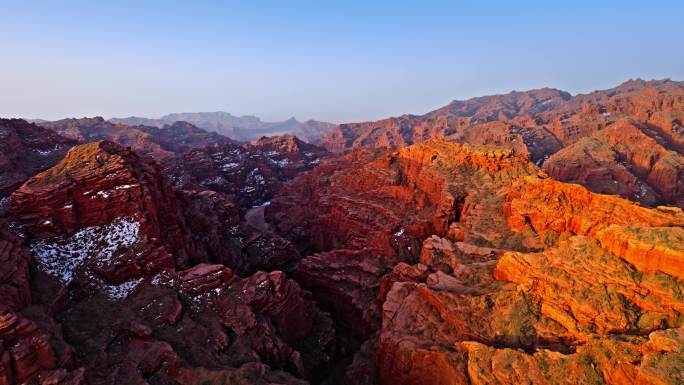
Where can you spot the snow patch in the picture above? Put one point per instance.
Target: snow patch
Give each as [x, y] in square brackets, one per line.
[125, 186]
[258, 178]
[218, 180]
[48, 151]
[122, 290]
[280, 163]
[229, 166]
[642, 191]
[61, 257]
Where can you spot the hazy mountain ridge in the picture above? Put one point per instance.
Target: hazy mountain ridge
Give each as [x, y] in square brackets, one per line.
[244, 128]
[627, 140]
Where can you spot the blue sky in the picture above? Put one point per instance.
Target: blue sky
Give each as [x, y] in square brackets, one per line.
[329, 60]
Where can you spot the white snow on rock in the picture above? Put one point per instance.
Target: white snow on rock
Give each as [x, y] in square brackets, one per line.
[258, 178]
[121, 291]
[217, 180]
[642, 191]
[280, 163]
[400, 232]
[229, 166]
[61, 257]
[125, 186]
[48, 151]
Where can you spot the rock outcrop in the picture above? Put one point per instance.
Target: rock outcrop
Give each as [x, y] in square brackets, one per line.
[468, 265]
[627, 159]
[250, 174]
[128, 266]
[31, 344]
[627, 140]
[26, 150]
[439, 262]
[158, 142]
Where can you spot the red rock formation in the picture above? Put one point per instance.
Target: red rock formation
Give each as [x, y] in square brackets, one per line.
[111, 237]
[27, 149]
[640, 161]
[624, 159]
[251, 174]
[590, 276]
[94, 184]
[440, 262]
[159, 143]
[14, 272]
[573, 208]
[196, 159]
[31, 345]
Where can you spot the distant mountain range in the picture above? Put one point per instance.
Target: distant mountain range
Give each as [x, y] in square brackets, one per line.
[627, 140]
[242, 128]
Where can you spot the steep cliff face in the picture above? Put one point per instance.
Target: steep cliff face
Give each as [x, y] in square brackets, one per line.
[627, 159]
[440, 262]
[31, 343]
[462, 264]
[27, 149]
[114, 248]
[250, 174]
[94, 184]
[627, 140]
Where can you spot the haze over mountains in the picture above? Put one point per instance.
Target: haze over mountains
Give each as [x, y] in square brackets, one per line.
[241, 128]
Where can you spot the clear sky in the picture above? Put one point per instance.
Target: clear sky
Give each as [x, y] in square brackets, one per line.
[329, 60]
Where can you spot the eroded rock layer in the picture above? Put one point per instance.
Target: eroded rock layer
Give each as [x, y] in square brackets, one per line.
[628, 140]
[468, 265]
[26, 150]
[251, 174]
[136, 273]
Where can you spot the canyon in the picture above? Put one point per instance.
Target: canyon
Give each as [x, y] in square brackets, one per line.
[529, 238]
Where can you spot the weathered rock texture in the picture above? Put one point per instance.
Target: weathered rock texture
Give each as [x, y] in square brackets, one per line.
[467, 265]
[194, 159]
[135, 272]
[250, 174]
[157, 142]
[26, 150]
[627, 140]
